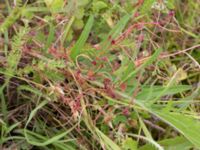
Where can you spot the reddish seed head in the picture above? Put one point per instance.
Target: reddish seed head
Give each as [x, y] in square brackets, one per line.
[94, 62]
[136, 14]
[78, 71]
[29, 47]
[125, 112]
[106, 83]
[123, 86]
[113, 42]
[104, 58]
[171, 13]
[32, 33]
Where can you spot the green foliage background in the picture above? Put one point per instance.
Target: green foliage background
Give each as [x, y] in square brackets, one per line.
[99, 74]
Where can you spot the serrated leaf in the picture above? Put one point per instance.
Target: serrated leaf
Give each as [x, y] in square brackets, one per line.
[14, 56]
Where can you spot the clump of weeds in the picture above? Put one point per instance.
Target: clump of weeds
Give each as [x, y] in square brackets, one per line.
[99, 74]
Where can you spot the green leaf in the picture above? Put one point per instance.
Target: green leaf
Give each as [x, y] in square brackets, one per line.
[177, 143]
[69, 36]
[186, 125]
[145, 129]
[54, 5]
[50, 37]
[146, 6]
[115, 32]
[82, 2]
[170, 4]
[68, 32]
[129, 144]
[48, 2]
[97, 6]
[149, 61]
[39, 140]
[79, 13]
[120, 119]
[78, 24]
[110, 145]
[30, 89]
[34, 111]
[151, 92]
[76, 50]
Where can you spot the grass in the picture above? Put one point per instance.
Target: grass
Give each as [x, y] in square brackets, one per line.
[99, 74]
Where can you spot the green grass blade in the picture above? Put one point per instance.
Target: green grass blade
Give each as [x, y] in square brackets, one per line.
[34, 111]
[177, 143]
[67, 29]
[76, 50]
[146, 6]
[149, 61]
[149, 93]
[3, 103]
[51, 37]
[46, 141]
[30, 89]
[171, 82]
[186, 125]
[110, 145]
[154, 143]
[39, 140]
[115, 32]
